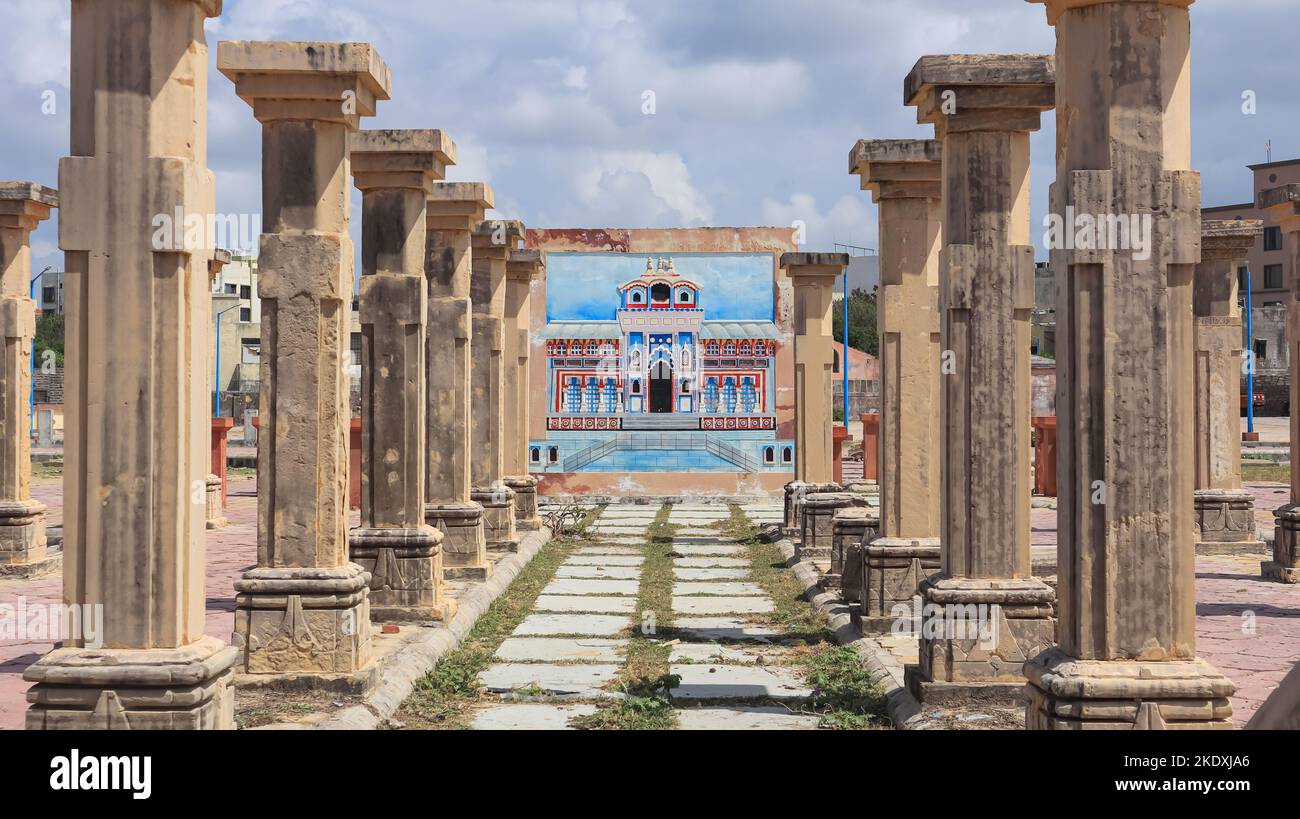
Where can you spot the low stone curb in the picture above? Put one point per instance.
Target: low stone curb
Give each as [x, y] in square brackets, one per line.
[411, 662]
[904, 711]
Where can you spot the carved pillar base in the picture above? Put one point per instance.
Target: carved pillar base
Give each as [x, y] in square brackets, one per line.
[976, 636]
[23, 550]
[83, 689]
[1225, 522]
[464, 542]
[894, 568]
[305, 627]
[405, 567]
[525, 489]
[817, 525]
[1285, 565]
[790, 525]
[1069, 694]
[498, 502]
[215, 517]
[850, 527]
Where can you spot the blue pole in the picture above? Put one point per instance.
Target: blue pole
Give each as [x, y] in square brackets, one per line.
[844, 362]
[216, 376]
[31, 392]
[1250, 371]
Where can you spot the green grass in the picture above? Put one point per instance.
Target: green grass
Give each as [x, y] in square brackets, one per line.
[644, 678]
[791, 612]
[447, 695]
[1266, 473]
[846, 694]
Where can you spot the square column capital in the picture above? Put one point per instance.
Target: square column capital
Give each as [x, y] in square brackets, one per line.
[899, 168]
[1057, 8]
[496, 238]
[329, 82]
[26, 204]
[458, 205]
[814, 268]
[400, 159]
[1229, 240]
[981, 92]
[525, 265]
[1283, 204]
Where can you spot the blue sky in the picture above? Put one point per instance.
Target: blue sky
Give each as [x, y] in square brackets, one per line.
[757, 102]
[733, 286]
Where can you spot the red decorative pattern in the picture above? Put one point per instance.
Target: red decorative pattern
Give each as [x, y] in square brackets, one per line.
[725, 422]
[583, 422]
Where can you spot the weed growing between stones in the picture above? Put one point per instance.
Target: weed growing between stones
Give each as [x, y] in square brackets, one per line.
[446, 696]
[644, 679]
[845, 693]
[800, 621]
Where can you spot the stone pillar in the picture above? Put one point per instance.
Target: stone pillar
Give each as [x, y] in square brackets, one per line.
[395, 171]
[906, 182]
[1284, 205]
[853, 527]
[455, 210]
[23, 205]
[522, 269]
[493, 241]
[304, 608]
[983, 108]
[1225, 514]
[813, 277]
[1127, 634]
[136, 396]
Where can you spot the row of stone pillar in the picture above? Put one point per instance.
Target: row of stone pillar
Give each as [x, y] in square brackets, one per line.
[444, 301]
[1150, 340]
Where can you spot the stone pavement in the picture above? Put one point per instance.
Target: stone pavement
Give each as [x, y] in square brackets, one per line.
[564, 658]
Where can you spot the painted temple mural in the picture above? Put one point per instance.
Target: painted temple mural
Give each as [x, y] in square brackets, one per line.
[660, 363]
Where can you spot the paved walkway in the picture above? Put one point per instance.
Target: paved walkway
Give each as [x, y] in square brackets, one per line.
[565, 657]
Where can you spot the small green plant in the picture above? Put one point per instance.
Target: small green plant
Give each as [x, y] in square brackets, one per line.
[646, 706]
[848, 696]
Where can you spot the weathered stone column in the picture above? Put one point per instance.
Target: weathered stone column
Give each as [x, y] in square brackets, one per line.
[1284, 205]
[395, 171]
[23, 205]
[493, 242]
[455, 210]
[906, 182]
[136, 312]
[1225, 514]
[813, 278]
[522, 269]
[983, 108]
[1127, 633]
[305, 607]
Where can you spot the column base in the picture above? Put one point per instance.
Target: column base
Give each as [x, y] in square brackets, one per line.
[1225, 522]
[216, 518]
[22, 536]
[84, 689]
[817, 525]
[498, 502]
[851, 527]
[1285, 565]
[975, 637]
[795, 492]
[1065, 693]
[405, 567]
[297, 627]
[525, 489]
[893, 572]
[464, 543]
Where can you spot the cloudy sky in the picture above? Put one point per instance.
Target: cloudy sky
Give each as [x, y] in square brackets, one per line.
[756, 102]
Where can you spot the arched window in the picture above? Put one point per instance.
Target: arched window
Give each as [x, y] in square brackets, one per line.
[637, 298]
[769, 455]
[535, 455]
[636, 387]
[554, 454]
[660, 292]
[787, 455]
[686, 385]
[684, 295]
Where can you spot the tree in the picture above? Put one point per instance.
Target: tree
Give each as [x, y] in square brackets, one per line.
[49, 336]
[862, 322]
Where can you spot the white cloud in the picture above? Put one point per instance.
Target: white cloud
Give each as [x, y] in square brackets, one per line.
[655, 184]
[848, 221]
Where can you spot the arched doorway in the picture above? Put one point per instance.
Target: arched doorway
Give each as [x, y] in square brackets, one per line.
[661, 387]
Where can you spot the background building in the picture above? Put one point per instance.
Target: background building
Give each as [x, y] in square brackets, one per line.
[1272, 273]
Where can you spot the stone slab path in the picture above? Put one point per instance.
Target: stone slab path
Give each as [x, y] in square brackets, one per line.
[734, 673]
